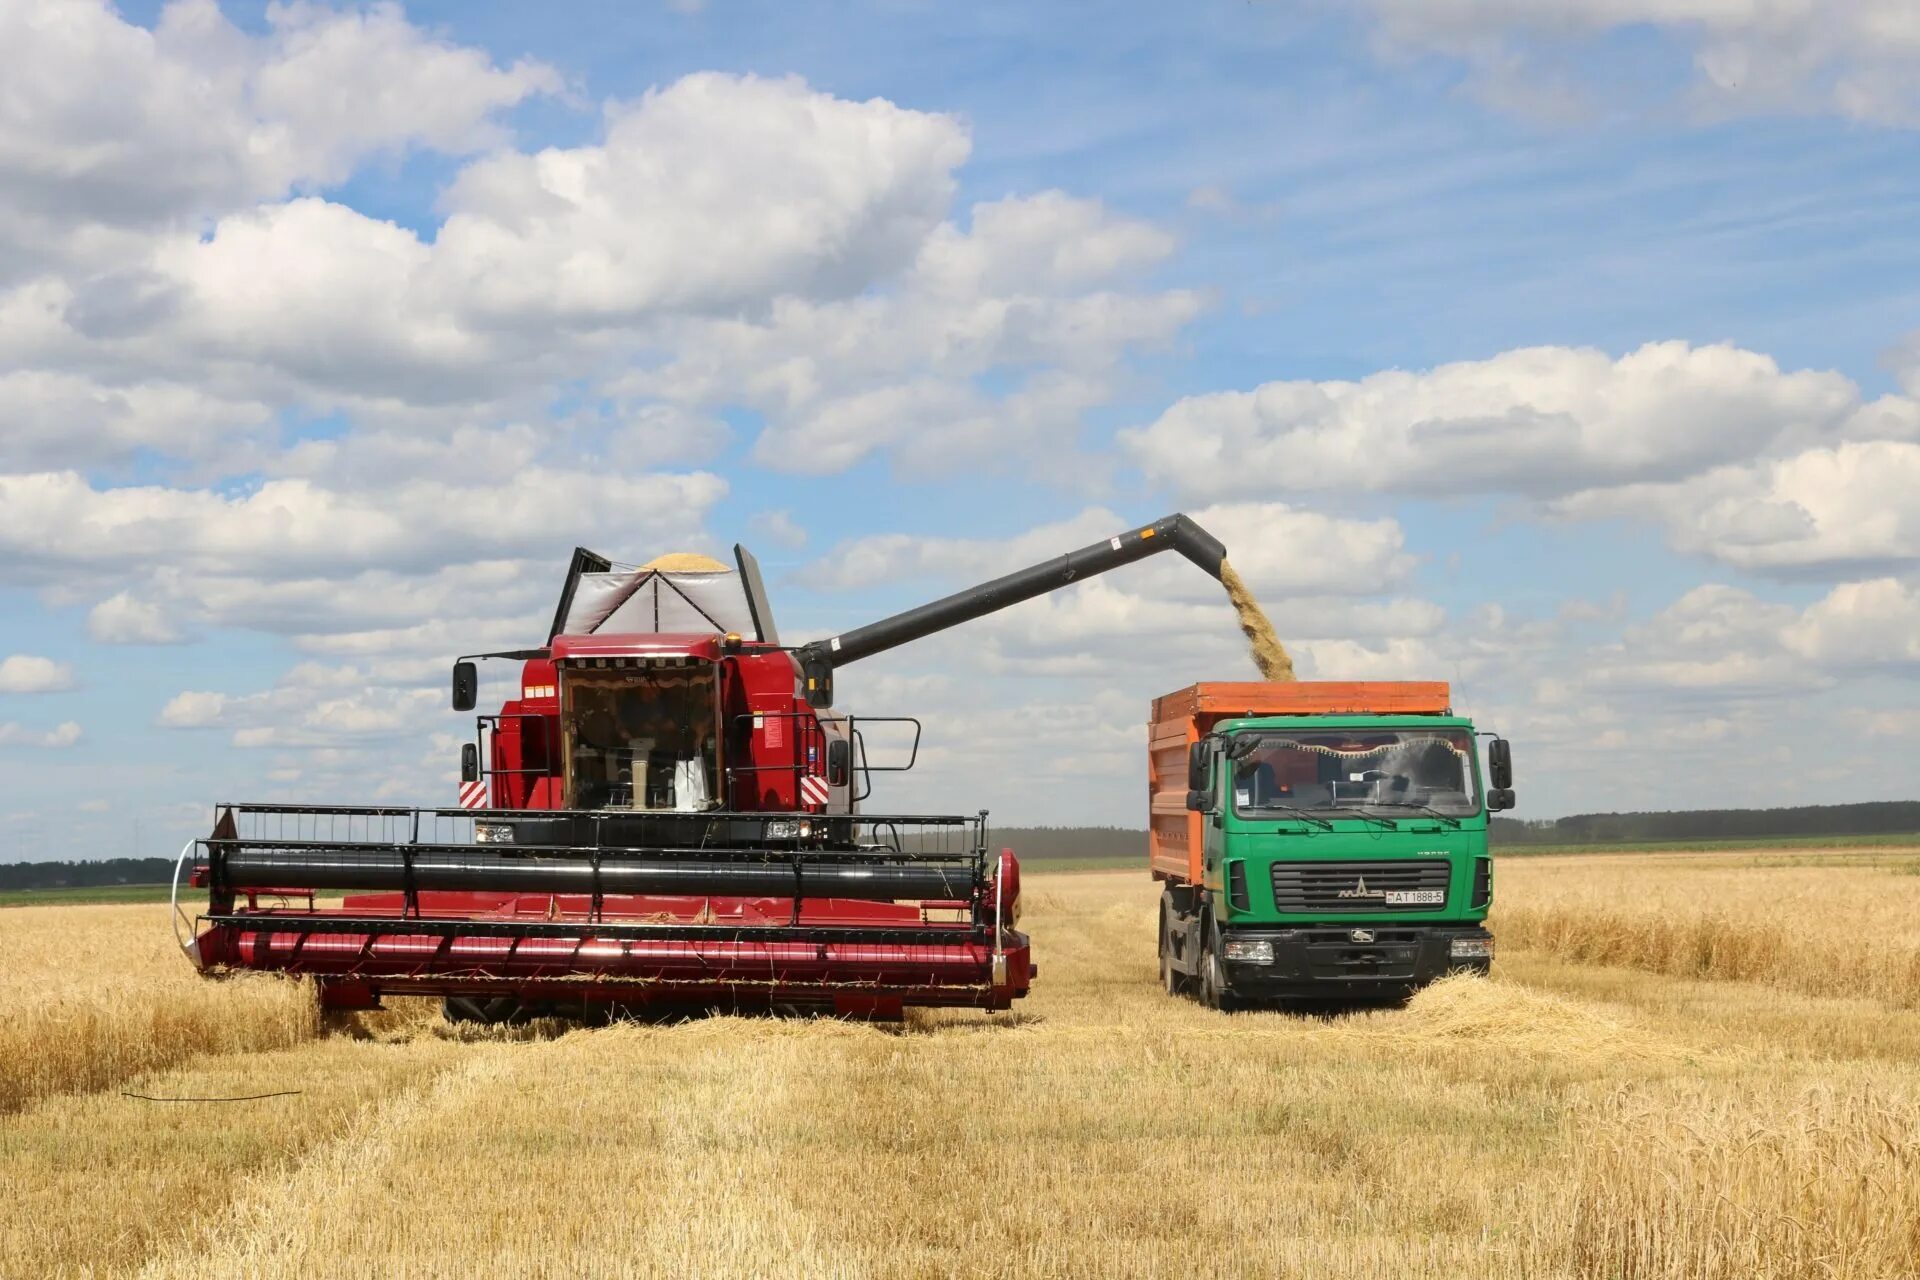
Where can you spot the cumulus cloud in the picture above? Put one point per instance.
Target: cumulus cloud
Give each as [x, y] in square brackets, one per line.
[1861, 624]
[1855, 58]
[26, 673]
[203, 116]
[314, 707]
[57, 522]
[778, 527]
[1537, 421]
[1716, 640]
[1844, 508]
[1039, 289]
[65, 734]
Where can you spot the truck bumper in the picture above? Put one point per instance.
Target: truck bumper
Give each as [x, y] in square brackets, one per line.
[1342, 962]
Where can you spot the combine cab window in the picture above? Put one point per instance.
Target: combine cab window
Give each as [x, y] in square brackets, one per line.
[641, 739]
[1392, 769]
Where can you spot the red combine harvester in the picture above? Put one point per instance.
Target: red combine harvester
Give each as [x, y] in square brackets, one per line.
[667, 814]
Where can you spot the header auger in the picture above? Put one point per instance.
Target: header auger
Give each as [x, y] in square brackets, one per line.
[668, 813]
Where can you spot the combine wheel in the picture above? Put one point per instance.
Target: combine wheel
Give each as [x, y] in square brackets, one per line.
[488, 1010]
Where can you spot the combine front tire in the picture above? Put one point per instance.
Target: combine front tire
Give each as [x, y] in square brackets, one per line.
[487, 1010]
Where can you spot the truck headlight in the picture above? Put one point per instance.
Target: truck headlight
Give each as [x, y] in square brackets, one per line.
[1250, 950]
[492, 833]
[789, 829]
[1471, 949]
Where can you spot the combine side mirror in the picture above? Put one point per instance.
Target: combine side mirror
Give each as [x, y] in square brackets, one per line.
[466, 686]
[469, 763]
[839, 762]
[1500, 764]
[1499, 798]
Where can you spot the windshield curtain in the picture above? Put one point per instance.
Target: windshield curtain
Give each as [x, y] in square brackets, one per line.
[1358, 768]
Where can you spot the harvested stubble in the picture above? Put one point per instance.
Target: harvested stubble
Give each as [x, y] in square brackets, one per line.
[1493, 1128]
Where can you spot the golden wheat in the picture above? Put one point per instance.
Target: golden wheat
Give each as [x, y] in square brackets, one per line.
[1561, 1119]
[92, 995]
[1835, 929]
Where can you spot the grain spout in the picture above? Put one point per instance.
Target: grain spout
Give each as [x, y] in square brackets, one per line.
[1268, 653]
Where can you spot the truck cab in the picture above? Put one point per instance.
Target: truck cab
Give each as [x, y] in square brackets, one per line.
[1330, 845]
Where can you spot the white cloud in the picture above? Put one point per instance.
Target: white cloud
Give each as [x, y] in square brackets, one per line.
[65, 734]
[1038, 287]
[716, 191]
[313, 708]
[1847, 507]
[1539, 421]
[57, 522]
[193, 710]
[201, 116]
[1854, 58]
[26, 673]
[122, 619]
[778, 527]
[1861, 624]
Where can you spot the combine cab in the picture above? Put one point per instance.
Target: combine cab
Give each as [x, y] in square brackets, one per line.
[668, 813]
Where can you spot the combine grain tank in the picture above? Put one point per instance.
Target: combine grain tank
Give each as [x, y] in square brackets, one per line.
[664, 811]
[1319, 841]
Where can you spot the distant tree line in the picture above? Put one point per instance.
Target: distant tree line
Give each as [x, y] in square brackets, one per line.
[1886, 817]
[85, 875]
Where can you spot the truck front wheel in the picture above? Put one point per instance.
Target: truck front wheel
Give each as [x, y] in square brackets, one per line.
[1214, 992]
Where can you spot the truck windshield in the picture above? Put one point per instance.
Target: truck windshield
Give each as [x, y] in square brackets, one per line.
[1357, 769]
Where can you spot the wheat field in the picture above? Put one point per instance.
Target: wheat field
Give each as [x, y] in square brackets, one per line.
[1685, 1066]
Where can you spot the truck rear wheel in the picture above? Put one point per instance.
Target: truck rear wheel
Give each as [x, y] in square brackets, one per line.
[1172, 981]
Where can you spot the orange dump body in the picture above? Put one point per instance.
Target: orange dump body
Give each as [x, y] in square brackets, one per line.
[1183, 717]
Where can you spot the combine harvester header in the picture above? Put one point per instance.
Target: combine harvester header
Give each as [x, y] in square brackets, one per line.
[665, 812]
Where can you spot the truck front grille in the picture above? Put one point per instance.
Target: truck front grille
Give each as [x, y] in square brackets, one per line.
[1361, 886]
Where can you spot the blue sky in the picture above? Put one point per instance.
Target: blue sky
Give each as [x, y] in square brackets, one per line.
[1566, 352]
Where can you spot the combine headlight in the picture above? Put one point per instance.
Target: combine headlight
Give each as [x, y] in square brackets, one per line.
[789, 829]
[492, 833]
[1250, 950]
[1471, 949]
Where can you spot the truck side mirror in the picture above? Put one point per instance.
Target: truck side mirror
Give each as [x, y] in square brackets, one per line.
[1199, 801]
[466, 686]
[1499, 798]
[1500, 764]
[839, 762]
[469, 762]
[1198, 767]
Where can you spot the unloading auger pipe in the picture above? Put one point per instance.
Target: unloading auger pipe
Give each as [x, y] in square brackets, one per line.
[1174, 533]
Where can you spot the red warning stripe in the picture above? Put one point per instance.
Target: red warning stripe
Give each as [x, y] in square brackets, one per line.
[473, 795]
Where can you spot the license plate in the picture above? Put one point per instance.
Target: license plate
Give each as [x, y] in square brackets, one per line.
[1416, 897]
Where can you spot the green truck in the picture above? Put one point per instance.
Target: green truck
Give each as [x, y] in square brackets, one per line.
[1319, 843]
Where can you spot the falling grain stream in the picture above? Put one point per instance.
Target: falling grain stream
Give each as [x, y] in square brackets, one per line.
[1268, 653]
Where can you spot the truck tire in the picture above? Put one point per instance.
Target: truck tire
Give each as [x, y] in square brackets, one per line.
[1214, 992]
[1172, 981]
